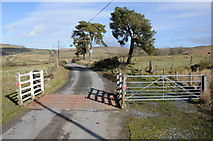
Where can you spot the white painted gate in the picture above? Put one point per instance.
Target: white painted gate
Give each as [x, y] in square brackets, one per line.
[30, 85]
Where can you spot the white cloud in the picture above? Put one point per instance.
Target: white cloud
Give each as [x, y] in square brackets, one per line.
[186, 15]
[36, 30]
[200, 40]
[201, 29]
[182, 6]
[53, 21]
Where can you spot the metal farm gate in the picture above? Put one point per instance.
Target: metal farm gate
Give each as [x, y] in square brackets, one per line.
[160, 87]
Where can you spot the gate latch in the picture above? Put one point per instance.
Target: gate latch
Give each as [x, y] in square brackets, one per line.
[124, 87]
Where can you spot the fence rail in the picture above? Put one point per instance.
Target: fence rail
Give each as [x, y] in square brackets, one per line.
[160, 87]
[30, 85]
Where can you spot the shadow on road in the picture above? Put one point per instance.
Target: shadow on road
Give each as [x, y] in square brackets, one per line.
[77, 68]
[104, 97]
[70, 120]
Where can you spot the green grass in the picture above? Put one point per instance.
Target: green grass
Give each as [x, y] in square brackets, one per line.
[141, 63]
[172, 122]
[10, 109]
[61, 77]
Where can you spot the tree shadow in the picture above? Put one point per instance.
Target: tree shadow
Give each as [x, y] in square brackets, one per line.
[78, 68]
[70, 120]
[104, 97]
[13, 97]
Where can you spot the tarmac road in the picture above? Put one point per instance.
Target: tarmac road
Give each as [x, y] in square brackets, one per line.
[54, 116]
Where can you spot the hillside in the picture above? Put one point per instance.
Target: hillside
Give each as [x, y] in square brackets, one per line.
[100, 52]
[7, 49]
[200, 50]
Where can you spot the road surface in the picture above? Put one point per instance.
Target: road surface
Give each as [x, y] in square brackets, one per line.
[81, 109]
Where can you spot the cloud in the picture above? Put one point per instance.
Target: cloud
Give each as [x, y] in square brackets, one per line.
[186, 15]
[36, 30]
[53, 22]
[201, 29]
[183, 6]
[200, 40]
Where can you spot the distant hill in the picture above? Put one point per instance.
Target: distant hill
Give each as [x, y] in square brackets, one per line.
[10, 46]
[99, 52]
[7, 49]
[199, 50]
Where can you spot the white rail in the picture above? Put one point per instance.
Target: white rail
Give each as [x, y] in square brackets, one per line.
[28, 89]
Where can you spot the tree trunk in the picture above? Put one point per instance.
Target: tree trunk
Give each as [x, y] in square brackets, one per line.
[130, 52]
[89, 50]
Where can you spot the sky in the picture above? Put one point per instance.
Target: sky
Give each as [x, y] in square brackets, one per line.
[41, 24]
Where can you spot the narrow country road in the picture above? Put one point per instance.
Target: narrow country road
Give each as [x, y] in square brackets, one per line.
[84, 108]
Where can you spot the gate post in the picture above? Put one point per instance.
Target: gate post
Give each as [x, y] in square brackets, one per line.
[204, 83]
[42, 81]
[118, 82]
[20, 101]
[32, 85]
[123, 91]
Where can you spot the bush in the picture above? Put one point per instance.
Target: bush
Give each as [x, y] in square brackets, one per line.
[76, 59]
[109, 63]
[62, 63]
[201, 66]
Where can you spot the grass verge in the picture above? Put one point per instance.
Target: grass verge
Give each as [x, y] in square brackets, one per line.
[10, 109]
[168, 120]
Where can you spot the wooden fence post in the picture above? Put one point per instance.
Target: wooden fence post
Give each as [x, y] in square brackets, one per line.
[156, 69]
[176, 73]
[163, 71]
[32, 85]
[190, 61]
[20, 102]
[172, 63]
[150, 66]
[123, 91]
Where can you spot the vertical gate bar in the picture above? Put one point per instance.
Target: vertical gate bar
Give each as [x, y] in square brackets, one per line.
[163, 87]
[120, 83]
[20, 101]
[42, 81]
[31, 85]
[117, 82]
[123, 92]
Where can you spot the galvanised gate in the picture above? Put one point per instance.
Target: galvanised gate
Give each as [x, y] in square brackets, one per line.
[160, 87]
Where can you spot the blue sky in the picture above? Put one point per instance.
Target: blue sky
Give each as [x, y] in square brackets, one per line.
[42, 24]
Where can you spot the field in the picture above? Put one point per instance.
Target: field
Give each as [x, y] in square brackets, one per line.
[21, 60]
[164, 62]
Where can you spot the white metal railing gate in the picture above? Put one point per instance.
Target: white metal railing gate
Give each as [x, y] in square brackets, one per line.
[160, 87]
[30, 85]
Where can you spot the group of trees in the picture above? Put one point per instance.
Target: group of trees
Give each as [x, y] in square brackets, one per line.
[85, 34]
[127, 25]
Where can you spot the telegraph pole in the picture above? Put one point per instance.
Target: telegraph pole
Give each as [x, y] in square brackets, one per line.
[57, 61]
[58, 50]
